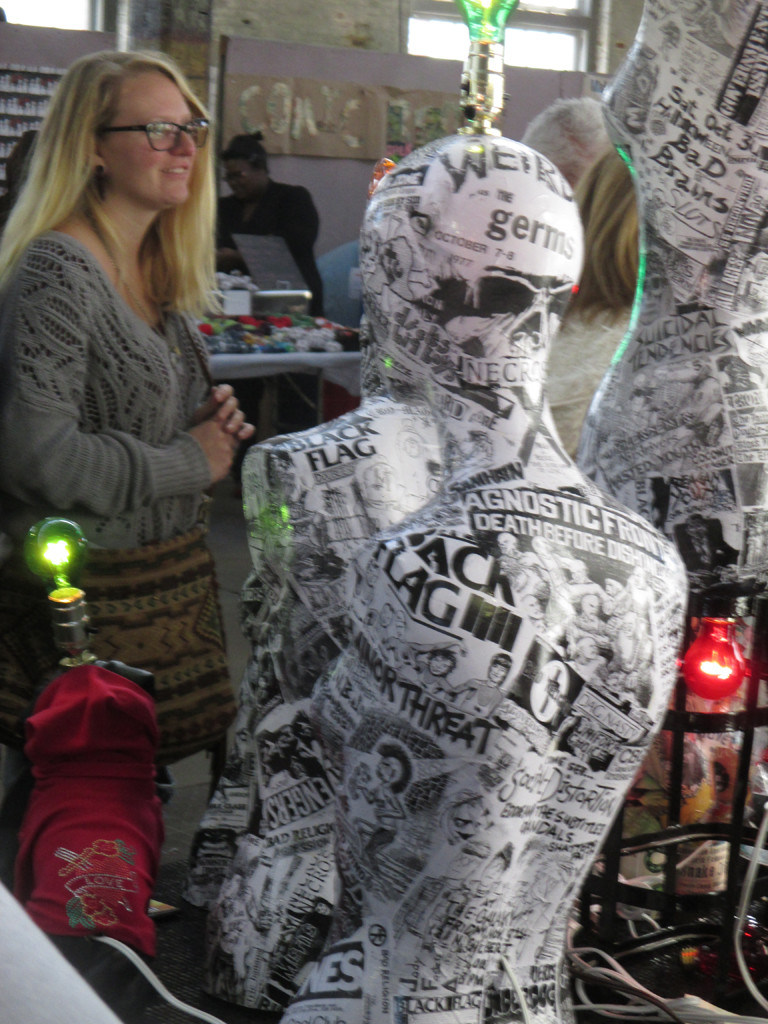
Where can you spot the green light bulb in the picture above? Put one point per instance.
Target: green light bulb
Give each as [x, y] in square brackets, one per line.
[486, 19]
[55, 549]
[482, 78]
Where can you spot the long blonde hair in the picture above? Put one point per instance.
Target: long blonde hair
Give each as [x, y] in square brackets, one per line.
[608, 208]
[177, 255]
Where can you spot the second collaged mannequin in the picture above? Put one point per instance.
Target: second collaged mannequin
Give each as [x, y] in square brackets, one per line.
[263, 855]
[489, 712]
[679, 428]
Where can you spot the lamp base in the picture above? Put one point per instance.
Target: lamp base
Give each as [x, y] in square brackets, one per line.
[482, 88]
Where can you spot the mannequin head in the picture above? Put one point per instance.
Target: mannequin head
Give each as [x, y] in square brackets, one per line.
[469, 251]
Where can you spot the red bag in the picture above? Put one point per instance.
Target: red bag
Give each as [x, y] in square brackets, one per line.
[92, 832]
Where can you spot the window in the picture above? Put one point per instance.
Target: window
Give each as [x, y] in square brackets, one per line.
[51, 13]
[555, 34]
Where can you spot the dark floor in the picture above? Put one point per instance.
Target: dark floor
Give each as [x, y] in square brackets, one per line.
[179, 959]
[181, 937]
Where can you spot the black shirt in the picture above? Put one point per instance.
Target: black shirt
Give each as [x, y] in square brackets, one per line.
[286, 211]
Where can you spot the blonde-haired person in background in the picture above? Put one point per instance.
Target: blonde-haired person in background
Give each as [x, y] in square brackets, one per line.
[107, 411]
[597, 317]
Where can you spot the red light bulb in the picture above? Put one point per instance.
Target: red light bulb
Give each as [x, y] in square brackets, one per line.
[713, 666]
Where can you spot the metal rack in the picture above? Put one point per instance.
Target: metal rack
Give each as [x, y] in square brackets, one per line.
[695, 918]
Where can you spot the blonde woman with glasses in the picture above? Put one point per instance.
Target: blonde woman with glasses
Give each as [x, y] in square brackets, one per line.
[108, 413]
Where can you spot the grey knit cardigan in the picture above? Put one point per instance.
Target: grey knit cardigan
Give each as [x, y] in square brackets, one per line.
[95, 405]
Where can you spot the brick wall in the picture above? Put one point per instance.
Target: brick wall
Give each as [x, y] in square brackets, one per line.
[362, 24]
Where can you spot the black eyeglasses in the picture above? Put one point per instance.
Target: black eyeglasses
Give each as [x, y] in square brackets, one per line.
[164, 135]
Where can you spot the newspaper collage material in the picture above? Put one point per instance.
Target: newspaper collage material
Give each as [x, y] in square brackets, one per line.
[679, 429]
[310, 500]
[506, 641]
[506, 650]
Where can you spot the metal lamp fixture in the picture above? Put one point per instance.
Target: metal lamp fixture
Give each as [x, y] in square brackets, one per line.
[55, 549]
[482, 80]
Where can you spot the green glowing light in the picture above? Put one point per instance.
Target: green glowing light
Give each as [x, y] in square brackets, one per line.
[624, 154]
[56, 553]
[388, 362]
[55, 550]
[641, 268]
[486, 18]
[271, 525]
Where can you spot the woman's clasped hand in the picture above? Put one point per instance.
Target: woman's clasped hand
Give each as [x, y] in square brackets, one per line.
[220, 426]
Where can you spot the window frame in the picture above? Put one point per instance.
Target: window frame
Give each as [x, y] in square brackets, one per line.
[582, 21]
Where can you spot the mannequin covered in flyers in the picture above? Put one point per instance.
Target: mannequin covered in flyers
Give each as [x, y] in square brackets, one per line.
[465, 825]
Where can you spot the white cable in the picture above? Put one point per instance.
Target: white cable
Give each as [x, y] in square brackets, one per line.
[659, 842]
[688, 1008]
[652, 944]
[747, 890]
[516, 986]
[619, 978]
[155, 982]
[632, 924]
[700, 1013]
[630, 1009]
[694, 854]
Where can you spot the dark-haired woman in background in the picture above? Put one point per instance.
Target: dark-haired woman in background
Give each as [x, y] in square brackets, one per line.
[260, 206]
